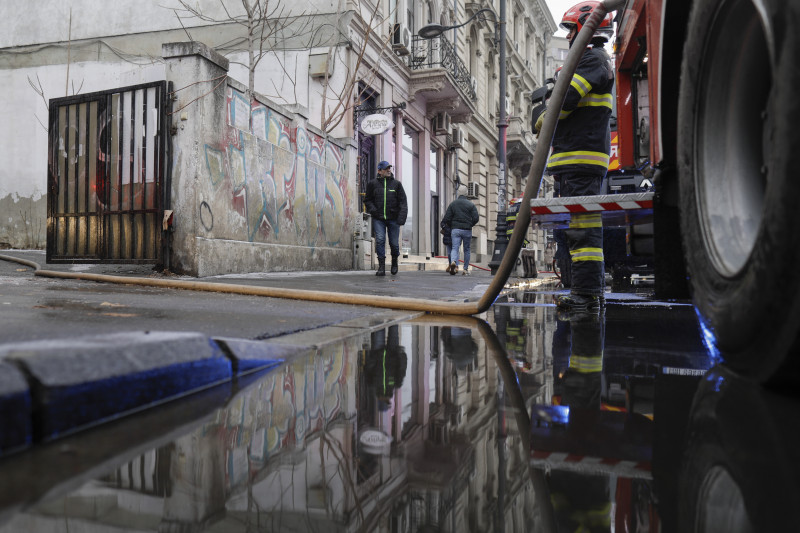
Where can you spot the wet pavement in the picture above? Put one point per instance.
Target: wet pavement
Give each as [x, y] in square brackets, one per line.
[525, 420]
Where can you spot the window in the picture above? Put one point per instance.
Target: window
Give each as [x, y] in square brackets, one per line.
[409, 241]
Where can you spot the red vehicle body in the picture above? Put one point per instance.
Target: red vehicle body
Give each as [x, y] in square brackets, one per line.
[706, 105]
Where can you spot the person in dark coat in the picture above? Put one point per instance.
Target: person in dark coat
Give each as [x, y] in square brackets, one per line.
[447, 240]
[385, 365]
[461, 215]
[386, 201]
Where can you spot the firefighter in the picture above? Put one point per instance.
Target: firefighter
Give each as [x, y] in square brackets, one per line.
[580, 155]
[580, 502]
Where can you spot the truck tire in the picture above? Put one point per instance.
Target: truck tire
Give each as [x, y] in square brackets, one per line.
[738, 141]
[734, 476]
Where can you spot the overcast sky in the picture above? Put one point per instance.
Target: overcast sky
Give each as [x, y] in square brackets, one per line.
[558, 8]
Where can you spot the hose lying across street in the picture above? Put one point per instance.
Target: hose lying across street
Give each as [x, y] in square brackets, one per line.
[540, 157]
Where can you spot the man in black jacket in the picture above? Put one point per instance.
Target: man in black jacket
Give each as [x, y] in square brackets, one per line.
[579, 160]
[461, 215]
[386, 201]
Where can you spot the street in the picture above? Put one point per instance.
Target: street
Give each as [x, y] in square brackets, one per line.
[524, 419]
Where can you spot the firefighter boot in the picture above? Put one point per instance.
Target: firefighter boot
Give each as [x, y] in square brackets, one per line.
[394, 264]
[381, 267]
[578, 302]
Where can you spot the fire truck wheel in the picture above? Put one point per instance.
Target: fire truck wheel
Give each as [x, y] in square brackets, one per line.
[738, 143]
[736, 472]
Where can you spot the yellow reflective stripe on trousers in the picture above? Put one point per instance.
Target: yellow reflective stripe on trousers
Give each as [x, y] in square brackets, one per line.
[585, 364]
[593, 220]
[579, 157]
[586, 254]
[580, 84]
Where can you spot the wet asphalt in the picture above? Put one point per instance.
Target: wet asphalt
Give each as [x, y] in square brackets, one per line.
[525, 419]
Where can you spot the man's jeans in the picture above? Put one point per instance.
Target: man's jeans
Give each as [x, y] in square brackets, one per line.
[379, 228]
[459, 236]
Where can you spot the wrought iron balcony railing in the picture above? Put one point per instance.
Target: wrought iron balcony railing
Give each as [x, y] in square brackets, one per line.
[440, 53]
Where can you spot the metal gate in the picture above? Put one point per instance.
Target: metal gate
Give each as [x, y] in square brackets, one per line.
[107, 176]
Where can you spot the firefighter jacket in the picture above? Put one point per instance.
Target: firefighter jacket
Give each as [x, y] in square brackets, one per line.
[385, 199]
[582, 141]
[461, 214]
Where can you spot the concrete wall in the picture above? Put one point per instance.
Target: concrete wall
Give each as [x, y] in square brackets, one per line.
[110, 46]
[254, 186]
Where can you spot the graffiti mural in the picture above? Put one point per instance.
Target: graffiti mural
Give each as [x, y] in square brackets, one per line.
[282, 183]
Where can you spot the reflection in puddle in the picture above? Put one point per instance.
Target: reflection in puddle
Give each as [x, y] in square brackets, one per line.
[543, 424]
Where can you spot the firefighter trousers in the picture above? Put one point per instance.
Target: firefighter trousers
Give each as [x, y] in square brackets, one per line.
[585, 237]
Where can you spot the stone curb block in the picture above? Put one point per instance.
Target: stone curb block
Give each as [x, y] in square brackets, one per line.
[96, 379]
[251, 356]
[16, 430]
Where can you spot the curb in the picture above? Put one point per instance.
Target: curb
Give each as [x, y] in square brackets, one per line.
[48, 390]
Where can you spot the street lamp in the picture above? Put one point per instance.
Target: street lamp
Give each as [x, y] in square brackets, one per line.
[434, 30]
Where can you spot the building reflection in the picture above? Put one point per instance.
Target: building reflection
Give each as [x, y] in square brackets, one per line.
[401, 430]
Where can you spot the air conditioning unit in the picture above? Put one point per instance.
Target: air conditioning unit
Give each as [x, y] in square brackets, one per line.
[441, 123]
[319, 66]
[472, 190]
[401, 39]
[457, 139]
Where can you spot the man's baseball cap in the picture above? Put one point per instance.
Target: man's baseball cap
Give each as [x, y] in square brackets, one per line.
[384, 165]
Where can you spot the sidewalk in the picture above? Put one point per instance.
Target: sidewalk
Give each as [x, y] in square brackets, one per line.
[56, 386]
[424, 284]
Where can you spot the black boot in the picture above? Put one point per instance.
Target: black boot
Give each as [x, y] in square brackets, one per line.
[394, 265]
[381, 267]
[578, 302]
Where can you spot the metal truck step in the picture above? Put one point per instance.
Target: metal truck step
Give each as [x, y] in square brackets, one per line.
[617, 209]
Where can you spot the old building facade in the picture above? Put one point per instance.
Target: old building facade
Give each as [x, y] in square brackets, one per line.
[266, 160]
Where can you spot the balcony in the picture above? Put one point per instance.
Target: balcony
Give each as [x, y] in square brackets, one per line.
[520, 144]
[441, 78]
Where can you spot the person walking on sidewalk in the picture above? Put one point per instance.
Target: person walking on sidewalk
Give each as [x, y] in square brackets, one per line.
[447, 240]
[461, 215]
[580, 156]
[386, 201]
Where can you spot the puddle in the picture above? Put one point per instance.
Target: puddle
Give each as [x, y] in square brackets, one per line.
[536, 421]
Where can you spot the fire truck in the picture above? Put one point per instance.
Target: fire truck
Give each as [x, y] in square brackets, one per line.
[706, 105]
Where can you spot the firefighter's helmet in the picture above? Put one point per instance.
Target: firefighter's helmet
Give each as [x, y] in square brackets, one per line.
[577, 15]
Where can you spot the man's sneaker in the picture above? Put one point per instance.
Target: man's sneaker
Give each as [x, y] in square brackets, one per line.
[465, 272]
[577, 302]
[453, 268]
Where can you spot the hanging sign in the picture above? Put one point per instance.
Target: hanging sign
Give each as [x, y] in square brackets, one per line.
[376, 124]
[375, 442]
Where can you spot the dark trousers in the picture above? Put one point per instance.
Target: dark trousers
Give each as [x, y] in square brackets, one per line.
[585, 236]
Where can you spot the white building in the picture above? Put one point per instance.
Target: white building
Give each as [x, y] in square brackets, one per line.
[325, 66]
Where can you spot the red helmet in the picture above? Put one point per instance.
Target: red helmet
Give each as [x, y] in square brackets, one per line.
[577, 15]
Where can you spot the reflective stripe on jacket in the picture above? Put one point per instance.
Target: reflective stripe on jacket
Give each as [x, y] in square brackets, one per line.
[582, 141]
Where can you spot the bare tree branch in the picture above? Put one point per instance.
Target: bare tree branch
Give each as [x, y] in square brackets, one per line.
[182, 26]
[268, 28]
